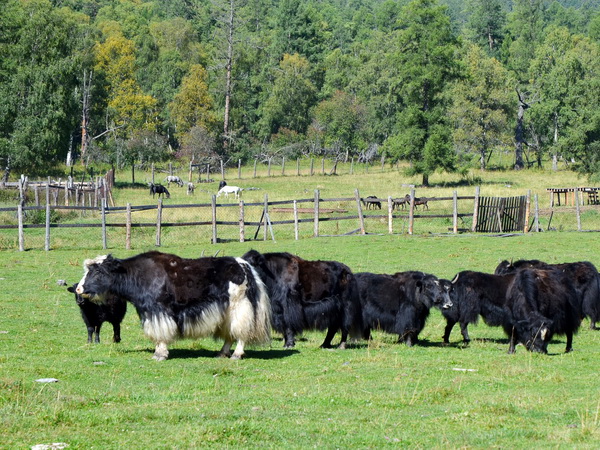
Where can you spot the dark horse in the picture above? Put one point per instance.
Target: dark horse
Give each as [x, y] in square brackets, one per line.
[159, 189]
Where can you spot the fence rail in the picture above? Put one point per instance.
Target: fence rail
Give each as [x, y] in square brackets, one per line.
[58, 226]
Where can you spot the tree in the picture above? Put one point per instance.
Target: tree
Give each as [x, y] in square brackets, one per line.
[291, 98]
[128, 108]
[341, 119]
[485, 25]
[42, 53]
[426, 61]
[482, 102]
[193, 105]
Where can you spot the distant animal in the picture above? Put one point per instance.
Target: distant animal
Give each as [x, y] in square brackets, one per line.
[399, 202]
[174, 179]
[190, 188]
[418, 201]
[400, 303]
[222, 183]
[542, 303]
[309, 295]
[475, 294]
[95, 315]
[177, 298]
[160, 190]
[226, 190]
[583, 275]
[371, 202]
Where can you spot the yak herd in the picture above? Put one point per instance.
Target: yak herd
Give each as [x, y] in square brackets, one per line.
[240, 300]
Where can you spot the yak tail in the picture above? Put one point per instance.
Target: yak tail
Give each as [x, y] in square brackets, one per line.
[261, 332]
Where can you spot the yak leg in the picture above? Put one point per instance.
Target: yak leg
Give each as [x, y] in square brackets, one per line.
[97, 331]
[90, 331]
[329, 337]
[449, 325]
[116, 332]
[239, 350]
[342, 344]
[225, 351]
[513, 342]
[569, 342]
[289, 338]
[161, 352]
[465, 332]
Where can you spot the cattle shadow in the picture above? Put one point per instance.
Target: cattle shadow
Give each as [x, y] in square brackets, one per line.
[185, 353]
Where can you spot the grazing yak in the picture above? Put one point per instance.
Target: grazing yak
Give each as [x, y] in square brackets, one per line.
[583, 275]
[95, 315]
[160, 190]
[542, 303]
[371, 202]
[309, 295]
[475, 294]
[185, 298]
[400, 303]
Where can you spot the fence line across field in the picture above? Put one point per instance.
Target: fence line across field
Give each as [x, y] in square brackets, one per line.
[319, 214]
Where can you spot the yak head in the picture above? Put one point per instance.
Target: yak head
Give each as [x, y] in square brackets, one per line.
[535, 333]
[98, 278]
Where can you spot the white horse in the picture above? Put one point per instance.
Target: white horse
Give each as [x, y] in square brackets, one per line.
[226, 190]
[174, 179]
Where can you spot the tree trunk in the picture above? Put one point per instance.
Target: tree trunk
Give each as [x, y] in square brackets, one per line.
[85, 114]
[425, 179]
[520, 133]
[228, 68]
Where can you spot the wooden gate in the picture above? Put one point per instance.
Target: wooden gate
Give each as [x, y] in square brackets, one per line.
[501, 214]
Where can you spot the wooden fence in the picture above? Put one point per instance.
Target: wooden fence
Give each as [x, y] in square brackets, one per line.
[261, 220]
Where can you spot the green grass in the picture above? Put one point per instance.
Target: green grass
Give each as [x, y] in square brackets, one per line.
[376, 394]
[371, 395]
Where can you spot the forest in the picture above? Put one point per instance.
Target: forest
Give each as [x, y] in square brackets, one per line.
[437, 85]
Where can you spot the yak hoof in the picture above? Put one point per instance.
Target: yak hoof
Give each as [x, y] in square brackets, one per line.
[236, 356]
[159, 357]
[342, 346]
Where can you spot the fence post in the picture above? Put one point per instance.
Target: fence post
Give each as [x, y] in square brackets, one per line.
[242, 233]
[527, 211]
[323, 166]
[361, 217]
[128, 228]
[269, 168]
[207, 173]
[170, 168]
[352, 166]
[159, 222]
[152, 170]
[21, 236]
[578, 209]
[103, 203]
[537, 214]
[390, 214]
[455, 212]
[411, 213]
[382, 163]
[266, 218]
[295, 220]
[222, 170]
[297, 167]
[475, 210]
[255, 161]
[283, 166]
[312, 163]
[239, 169]
[316, 218]
[47, 242]
[213, 204]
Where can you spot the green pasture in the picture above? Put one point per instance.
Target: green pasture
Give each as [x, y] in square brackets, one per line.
[376, 394]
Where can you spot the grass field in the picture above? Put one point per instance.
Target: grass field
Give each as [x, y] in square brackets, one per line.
[371, 395]
[376, 394]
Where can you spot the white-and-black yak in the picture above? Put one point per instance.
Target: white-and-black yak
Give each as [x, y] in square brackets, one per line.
[185, 298]
[309, 295]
